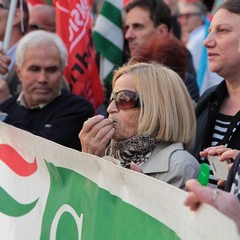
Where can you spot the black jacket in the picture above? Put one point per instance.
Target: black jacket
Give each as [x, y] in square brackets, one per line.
[60, 121]
[206, 111]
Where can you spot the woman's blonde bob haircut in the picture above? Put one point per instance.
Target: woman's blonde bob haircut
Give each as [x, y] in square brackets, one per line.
[165, 102]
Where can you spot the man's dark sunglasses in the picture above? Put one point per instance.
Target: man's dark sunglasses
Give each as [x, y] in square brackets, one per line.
[125, 99]
[33, 27]
[3, 6]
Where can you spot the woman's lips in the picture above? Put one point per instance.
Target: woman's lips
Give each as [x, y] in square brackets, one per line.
[212, 55]
[113, 121]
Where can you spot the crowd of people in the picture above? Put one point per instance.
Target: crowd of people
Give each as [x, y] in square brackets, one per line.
[174, 103]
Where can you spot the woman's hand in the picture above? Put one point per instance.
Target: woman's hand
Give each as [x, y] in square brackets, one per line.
[135, 167]
[96, 134]
[225, 202]
[224, 152]
[4, 62]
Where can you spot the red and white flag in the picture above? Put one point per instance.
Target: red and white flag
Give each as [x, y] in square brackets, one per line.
[73, 25]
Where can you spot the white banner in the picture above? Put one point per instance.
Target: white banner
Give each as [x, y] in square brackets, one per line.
[48, 191]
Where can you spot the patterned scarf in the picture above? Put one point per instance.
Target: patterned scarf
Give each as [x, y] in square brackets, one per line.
[136, 149]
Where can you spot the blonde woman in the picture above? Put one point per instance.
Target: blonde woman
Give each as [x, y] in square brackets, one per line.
[151, 124]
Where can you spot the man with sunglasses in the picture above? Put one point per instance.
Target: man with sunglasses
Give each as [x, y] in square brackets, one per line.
[42, 17]
[9, 83]
[148, 130]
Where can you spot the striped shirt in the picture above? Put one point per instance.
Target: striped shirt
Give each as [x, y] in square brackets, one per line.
[224, 128]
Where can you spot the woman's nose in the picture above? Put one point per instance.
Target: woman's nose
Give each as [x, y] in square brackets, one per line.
[209, 41]
[112, 107]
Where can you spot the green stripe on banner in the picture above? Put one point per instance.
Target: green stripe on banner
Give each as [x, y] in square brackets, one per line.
[102, 215]
[107, 49]
[112, 13]
[10, 207]
[84, 197]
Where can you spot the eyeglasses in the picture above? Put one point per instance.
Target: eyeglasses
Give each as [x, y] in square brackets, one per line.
[187, 15]
[33, 27]
[3, 6]
[125, 99]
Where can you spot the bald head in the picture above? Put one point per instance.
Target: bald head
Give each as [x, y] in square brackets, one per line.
[42, 16]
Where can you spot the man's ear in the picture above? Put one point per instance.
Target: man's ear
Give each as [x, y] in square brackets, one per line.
[163, 29]
[18, 71]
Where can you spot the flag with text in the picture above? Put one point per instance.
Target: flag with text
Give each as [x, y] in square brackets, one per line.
[73, 25]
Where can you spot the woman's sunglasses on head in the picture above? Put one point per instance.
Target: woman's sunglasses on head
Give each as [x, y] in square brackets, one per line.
[125, 99]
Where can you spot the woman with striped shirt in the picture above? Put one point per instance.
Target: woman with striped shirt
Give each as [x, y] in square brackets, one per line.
[218, 110]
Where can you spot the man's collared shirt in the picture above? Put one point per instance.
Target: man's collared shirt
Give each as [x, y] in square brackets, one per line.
[21, 102]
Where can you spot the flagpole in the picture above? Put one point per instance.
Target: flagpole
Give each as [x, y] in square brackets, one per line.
[8, 30]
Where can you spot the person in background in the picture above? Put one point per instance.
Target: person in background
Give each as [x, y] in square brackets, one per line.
[171, 53]
[176, 28]
[148, 128]
[9, 84]
[225, 202]
[147, 20]
[218, 108]
[155, 21]
[194, 27]
[42, 108]
[42, 17]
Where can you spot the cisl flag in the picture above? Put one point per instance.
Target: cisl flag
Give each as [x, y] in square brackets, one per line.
[108, 39]
[50, 192]
[73, 25]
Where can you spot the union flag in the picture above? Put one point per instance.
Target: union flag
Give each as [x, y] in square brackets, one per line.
[73, 25]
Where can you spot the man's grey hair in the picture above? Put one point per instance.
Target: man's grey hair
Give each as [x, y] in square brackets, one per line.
[39, 38]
